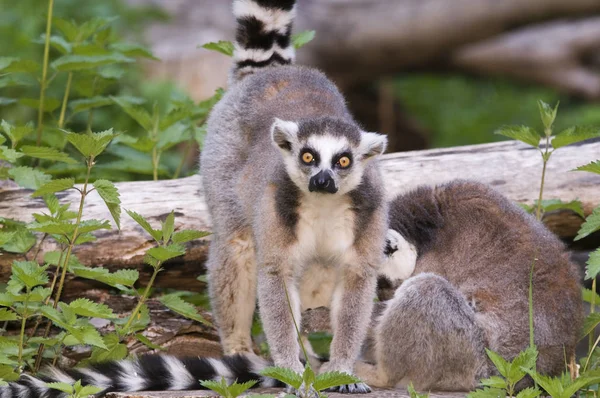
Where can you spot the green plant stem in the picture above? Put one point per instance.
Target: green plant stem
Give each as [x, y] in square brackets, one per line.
[23, 322]
[44, 73]
[287, 297]
[142, 299]
[545, 157]
[155, 163]
[63, 109]
[184, 157]
[591, 336]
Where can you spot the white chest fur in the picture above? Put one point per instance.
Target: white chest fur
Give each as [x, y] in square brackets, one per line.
[325, 238]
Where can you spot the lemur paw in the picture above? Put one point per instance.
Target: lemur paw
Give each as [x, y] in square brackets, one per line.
[303, 391]
[356, 388]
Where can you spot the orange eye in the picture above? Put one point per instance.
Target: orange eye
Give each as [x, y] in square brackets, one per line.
[344, 162]
[307, 157]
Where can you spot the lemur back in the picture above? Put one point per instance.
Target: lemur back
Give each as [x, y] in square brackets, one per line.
[474, 251]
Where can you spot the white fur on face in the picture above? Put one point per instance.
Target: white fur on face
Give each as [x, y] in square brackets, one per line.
[273, 18]
[401, 264]
[372, 144]
[327, 147]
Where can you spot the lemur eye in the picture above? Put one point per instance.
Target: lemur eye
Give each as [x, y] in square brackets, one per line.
[344, 162]
[308, 157]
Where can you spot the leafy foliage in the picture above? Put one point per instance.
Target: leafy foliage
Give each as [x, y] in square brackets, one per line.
[228, 391]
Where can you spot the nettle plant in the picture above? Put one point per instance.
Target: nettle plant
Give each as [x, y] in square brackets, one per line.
[586, 376]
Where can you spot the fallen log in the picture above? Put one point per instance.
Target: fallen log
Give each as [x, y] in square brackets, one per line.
[511, 167]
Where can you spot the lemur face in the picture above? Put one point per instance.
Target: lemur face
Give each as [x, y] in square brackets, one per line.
[325, 156]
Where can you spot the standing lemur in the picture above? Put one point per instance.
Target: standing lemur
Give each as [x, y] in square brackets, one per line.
[470, 251]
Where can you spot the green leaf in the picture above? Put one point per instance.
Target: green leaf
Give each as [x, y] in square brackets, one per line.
[16, 65]
[588, 295]
[64, 387]
[219, 387]
[174, 135]
[557, 204]
[333, 379]
[138, 113]
[14, 81]
[5, 237]
[413, 393]
[7, 315]
[46, 153]
[173, 117]
[86, 334]
[590, 323]
[167, 252]
[8, 373]
[54, 186]
[109, 193]
[547, 113]
[522, 133]
[29, 273]
[133, 50]
[487, 392]
[140, 322]
[21, 241]
[494, 382]
[591, 224]
[53, 227]
[91, 144]
[501, 364]
[72, 62]
[224, 47]
[302, 38]
[115, 350]
[146, 341]
[67, 28]
[168, 227]
[29, 178]
[155, 233]
[92, 225]
[573, 135]
[89, 103]
[10, 155]
[50, 104]
[176, 304]
[118, 279]
[85, 307]
[187, 235]
[593, 167]
[236, 389]
[524, 360]
[593, 265]
[284, 375]
[16, 133]
[7, 101]
[88, 391]
[142, 144]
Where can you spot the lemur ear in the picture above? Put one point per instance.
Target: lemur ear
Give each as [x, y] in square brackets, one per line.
[372, 144]
[284, 133]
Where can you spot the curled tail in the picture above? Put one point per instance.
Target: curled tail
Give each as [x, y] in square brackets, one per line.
[263, 36]
[146, 373]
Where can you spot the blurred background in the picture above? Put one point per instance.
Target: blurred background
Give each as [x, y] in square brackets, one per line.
[429, 73]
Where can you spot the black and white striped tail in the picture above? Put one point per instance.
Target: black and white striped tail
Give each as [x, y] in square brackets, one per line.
[263, 35]
[146, 373]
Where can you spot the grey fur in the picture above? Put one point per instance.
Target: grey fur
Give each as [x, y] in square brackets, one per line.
[271, 232]
[470, 291]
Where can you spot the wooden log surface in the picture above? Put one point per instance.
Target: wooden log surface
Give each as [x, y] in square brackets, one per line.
[511, 167]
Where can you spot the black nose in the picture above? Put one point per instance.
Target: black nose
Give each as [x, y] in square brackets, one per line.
[322, 182]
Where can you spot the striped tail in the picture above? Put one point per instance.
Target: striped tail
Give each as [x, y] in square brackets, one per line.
[263, 36]
[146, 373]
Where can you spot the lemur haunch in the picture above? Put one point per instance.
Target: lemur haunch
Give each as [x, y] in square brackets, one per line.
[470, 251]
[295, 196]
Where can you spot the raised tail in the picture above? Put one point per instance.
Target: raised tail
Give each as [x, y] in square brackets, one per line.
[263, 36]
[146, 373]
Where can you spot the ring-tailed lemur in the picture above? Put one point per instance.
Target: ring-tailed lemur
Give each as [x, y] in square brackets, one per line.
[295, 197]
[470, 251]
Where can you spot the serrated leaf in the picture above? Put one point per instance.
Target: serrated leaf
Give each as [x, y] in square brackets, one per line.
[53, 227]
[174, 135]
[173, 117]
[302, 38]
[590, 323]
[92, 225]
[574, 134]
[119, 279]
[591, 225]
[236, 389]
[219, 387]
[21, 241]
[588, 295]
[333, 379]
[86, 334]
[54, 186]
[494, 382]
[155, 233]
[8, 373]
[50, 104]
[73, 62]
[29, 178]
[142, 144]
[17, 65]
[167, 252]
[524, 360]
[138, 113]
[168, 227]
[593, 167]
[176, 304]
[284, 375]
[67, 28]
[413, 393]
[85, 307]
[115, 350]
[10, 155]
[88, 391]
[222, 46]
[187, 235]
[109, 193]
[6, 237]
[593, 265]
[7, 315]
[91, 144]
[557, 204]
[14, 81]
[16, 133]
[55, 316]
[547, 113]
[487, 392]
[89, 103]
[521, 133]
[29, 273]
[57, 42]
[46, 153]
[64, 387]
[501, 364]
[133, 50]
